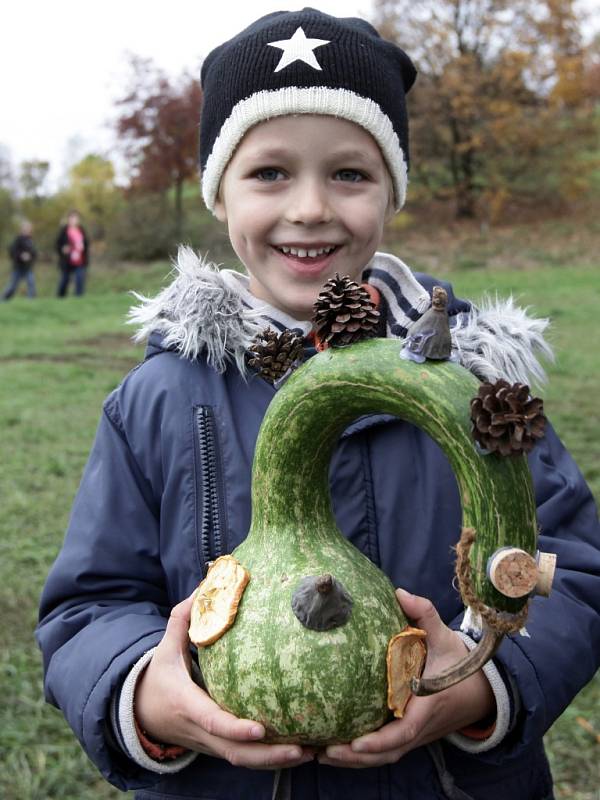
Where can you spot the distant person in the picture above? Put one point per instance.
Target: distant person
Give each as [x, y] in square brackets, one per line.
[23, 255]
[72, 246]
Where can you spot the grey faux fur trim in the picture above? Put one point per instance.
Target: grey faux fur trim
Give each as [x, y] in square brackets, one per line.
[202, 311]
[499, 340]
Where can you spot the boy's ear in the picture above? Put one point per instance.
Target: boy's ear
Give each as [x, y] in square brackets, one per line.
[220, 212]
[390, 211]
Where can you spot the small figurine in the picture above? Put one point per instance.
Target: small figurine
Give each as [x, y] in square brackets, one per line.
[429, 337]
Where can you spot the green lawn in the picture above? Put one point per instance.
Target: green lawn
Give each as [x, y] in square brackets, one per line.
[58, 359]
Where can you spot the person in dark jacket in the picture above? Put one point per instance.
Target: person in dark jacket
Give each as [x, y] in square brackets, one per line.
[72, 246]
[23, 254]
[304, 179]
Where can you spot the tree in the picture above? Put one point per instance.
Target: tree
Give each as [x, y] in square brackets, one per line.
[7, 203]
[158, 126]
[499, 106]
[6, 169]
[32, 177]
[93, 192]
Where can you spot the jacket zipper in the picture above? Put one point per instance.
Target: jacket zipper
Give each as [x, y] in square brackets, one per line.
[209, 518]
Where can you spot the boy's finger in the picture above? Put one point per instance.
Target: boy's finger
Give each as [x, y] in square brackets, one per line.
[345, 758]
[183, 610]
[397, 734]
[203, 712]
[263, 756]
[423, 614]
[176, 634]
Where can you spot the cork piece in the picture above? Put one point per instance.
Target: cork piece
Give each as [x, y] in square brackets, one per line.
[513, 572]
[405, 660]
[546, 568]
[216, 601]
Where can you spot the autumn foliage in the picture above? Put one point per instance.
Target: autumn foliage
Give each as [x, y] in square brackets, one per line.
[504, 125]
[158, 131]
[504, 108]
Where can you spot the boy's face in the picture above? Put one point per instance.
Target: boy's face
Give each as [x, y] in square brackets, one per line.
[304, 197]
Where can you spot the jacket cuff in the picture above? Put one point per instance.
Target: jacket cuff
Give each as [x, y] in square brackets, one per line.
[124, 725]
[503, 710]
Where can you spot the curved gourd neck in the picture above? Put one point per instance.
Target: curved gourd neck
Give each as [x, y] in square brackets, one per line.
[291, 506]
[312, 409]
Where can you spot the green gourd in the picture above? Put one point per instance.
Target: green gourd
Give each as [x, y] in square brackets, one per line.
[322, 686]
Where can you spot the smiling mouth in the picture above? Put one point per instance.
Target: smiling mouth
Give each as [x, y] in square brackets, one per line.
[312, 252]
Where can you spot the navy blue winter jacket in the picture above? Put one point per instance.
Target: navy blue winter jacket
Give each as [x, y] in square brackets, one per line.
[143, 526]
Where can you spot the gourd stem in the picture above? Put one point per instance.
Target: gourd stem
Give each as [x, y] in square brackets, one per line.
[473, 661]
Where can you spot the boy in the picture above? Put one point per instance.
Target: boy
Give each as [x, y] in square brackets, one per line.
[23, 255]
[304, 155]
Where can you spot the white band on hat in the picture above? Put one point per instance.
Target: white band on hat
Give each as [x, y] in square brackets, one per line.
[324, 100]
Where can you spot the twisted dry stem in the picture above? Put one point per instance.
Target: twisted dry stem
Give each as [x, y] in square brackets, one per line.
[468, 665]
[500, 621]
[495, 625]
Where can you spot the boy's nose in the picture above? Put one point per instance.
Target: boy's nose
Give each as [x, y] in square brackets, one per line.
[309, 204]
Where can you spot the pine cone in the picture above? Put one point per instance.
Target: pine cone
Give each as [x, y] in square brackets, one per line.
[272, 354]
[344, 313]
[506, 419]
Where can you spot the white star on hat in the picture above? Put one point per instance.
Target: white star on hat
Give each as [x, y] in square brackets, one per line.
[298, 48]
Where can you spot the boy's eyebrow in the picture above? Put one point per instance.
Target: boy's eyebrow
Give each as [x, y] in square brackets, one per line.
[276, 153]
[268, 153]
[351, 153]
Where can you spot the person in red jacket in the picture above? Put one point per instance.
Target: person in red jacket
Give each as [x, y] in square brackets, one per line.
[72, 246]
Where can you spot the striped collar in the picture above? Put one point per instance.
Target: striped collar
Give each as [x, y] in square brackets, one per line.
[404, 298]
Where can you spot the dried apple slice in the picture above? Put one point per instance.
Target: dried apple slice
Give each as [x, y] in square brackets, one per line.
[405, 660]
[216, 601]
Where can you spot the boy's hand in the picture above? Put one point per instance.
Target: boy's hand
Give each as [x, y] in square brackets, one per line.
[426, 718]
[172, 709]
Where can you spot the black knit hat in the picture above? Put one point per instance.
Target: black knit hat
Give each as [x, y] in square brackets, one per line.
[304, 62]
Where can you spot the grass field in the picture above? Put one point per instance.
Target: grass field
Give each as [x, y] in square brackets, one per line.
[58, 359]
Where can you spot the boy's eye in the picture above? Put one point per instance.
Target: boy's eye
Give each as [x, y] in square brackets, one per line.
[269, 174]
[352, 175]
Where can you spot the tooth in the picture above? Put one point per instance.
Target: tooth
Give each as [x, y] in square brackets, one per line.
[301, 253]
[293, 251]
[286, 249]
[314, 253]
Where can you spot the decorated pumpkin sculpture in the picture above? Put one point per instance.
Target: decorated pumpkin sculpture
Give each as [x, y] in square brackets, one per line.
[299, 630]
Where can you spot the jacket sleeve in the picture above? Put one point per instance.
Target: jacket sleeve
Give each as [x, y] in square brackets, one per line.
[86, 248]
[105, 602]
[561, 653]
[61, 239]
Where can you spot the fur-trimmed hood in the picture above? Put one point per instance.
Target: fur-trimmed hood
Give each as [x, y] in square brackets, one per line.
[210, 311]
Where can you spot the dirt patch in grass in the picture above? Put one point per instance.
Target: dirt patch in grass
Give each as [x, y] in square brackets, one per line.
[101, 351]
[110, 339]
[96, 360]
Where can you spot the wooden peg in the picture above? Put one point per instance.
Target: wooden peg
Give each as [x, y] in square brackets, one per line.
[513, 572]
